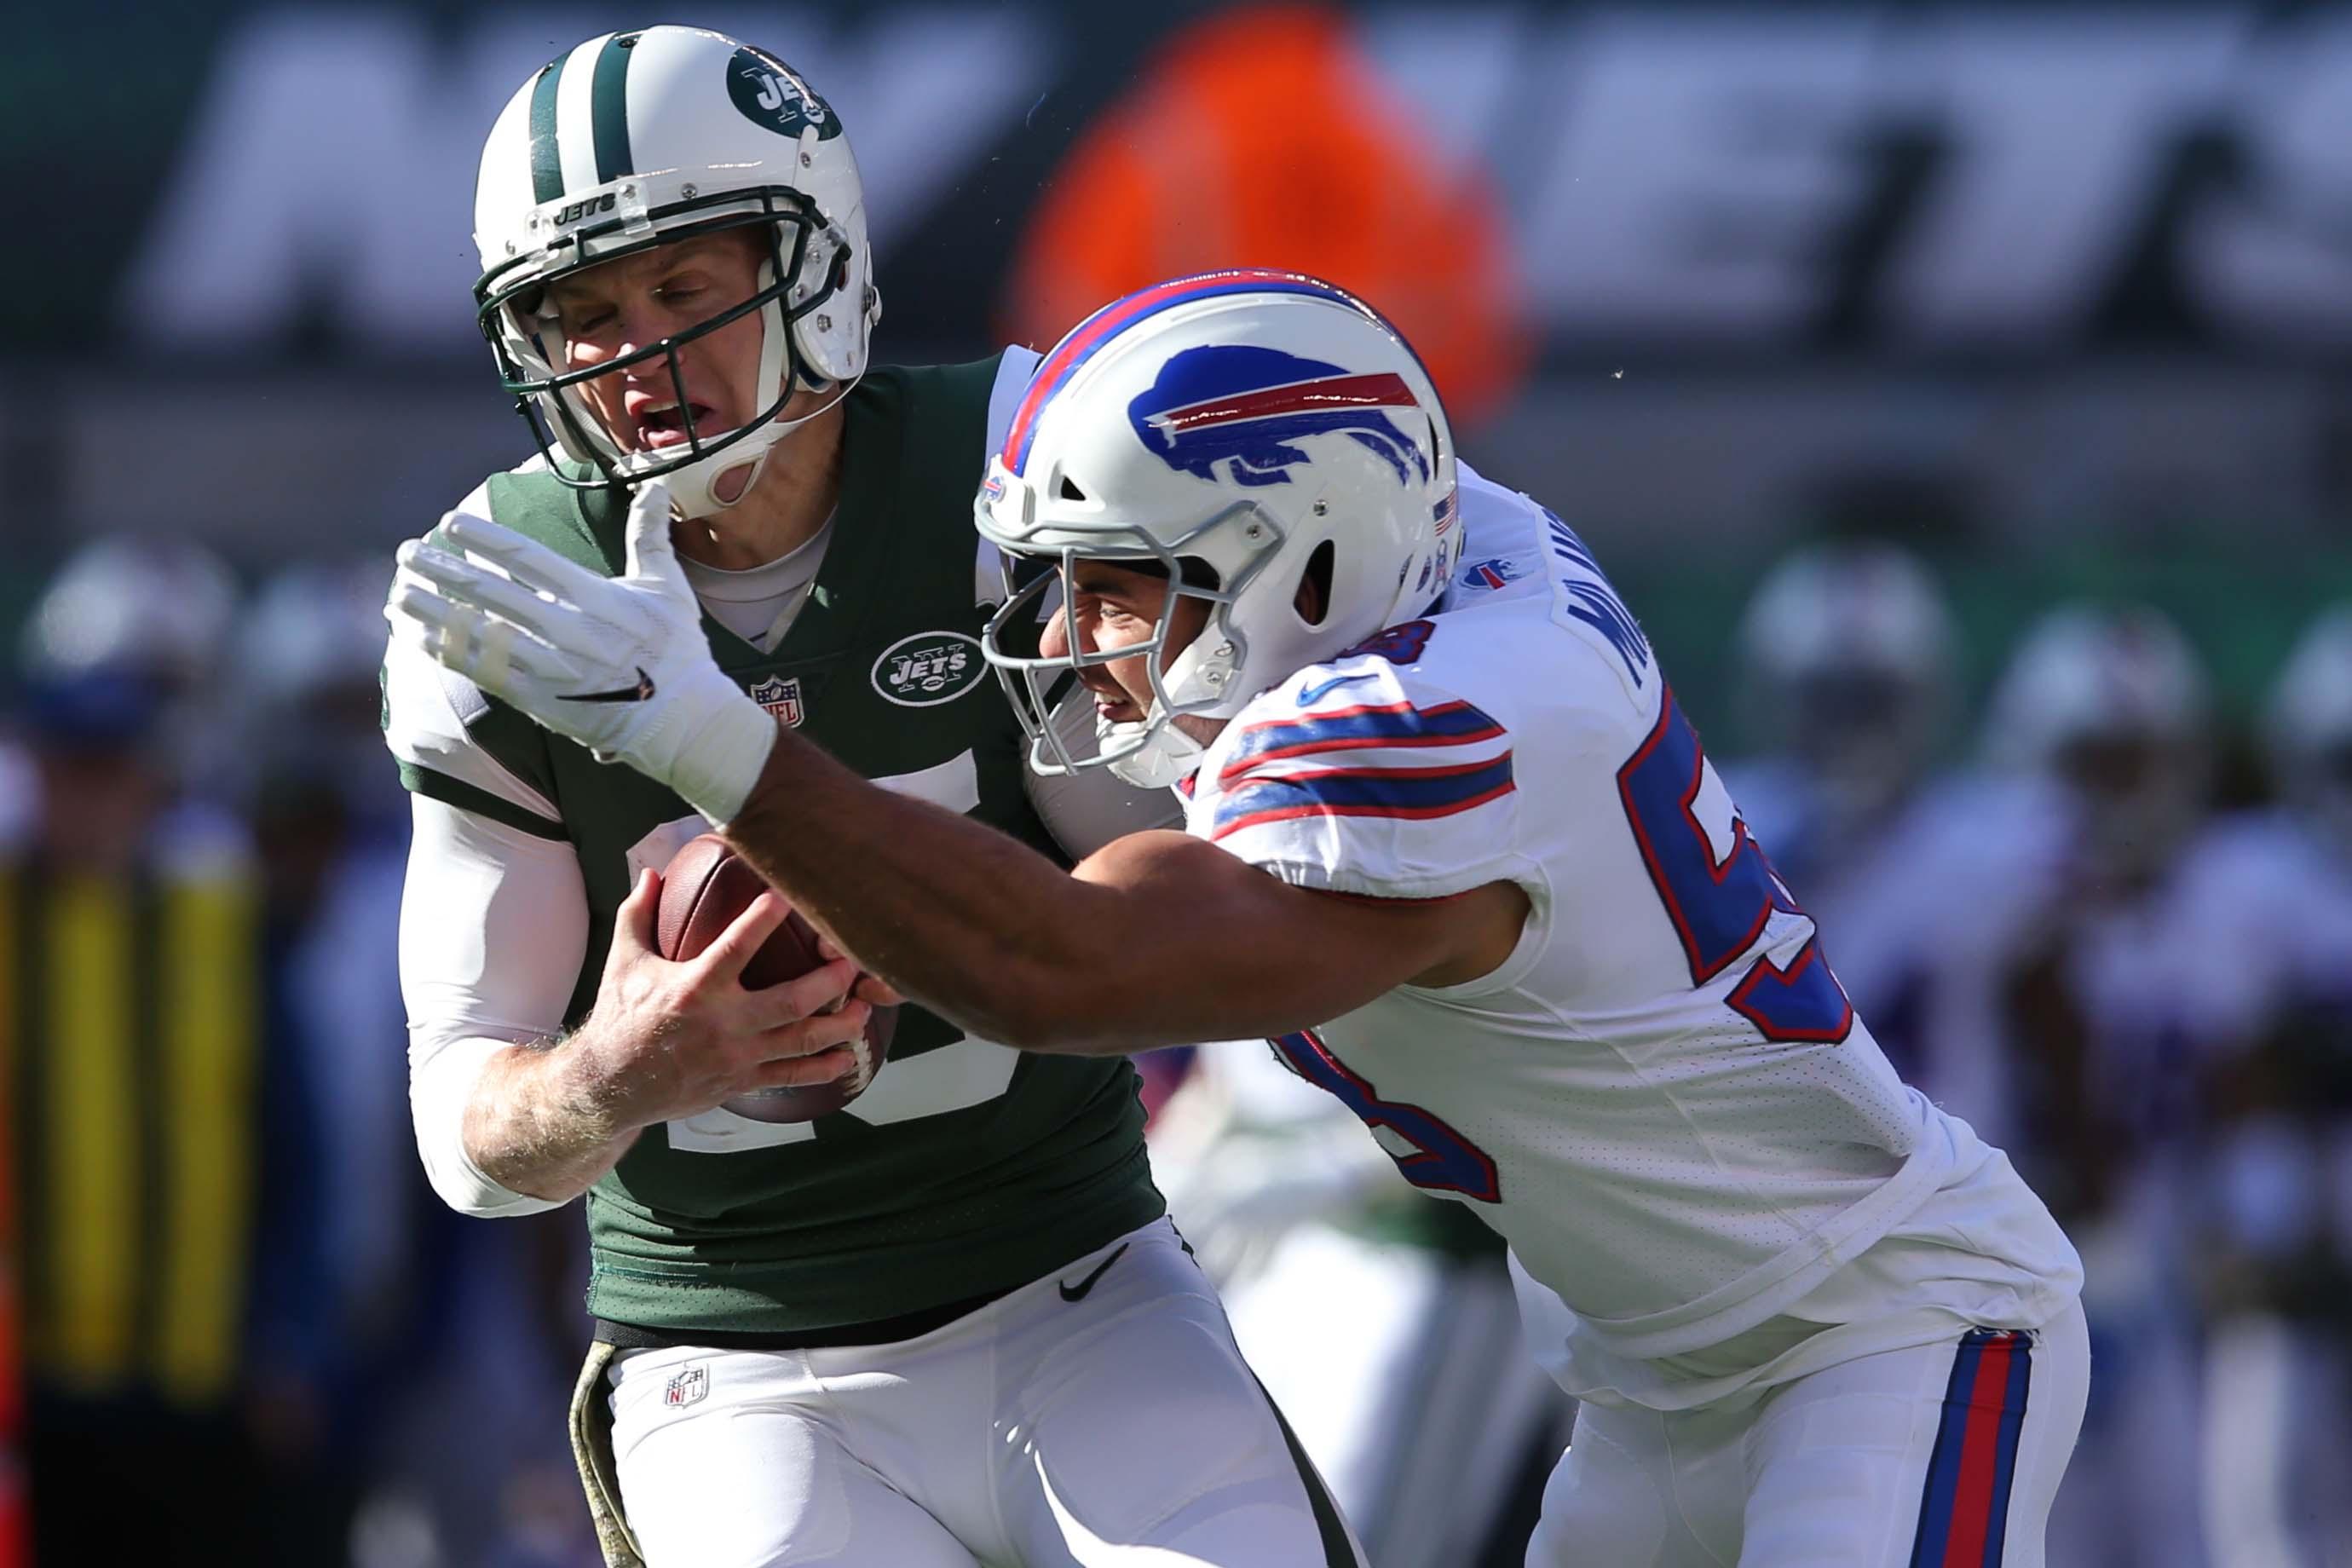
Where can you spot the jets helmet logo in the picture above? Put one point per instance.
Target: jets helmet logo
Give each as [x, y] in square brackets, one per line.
[770, 93]
[1236, 412]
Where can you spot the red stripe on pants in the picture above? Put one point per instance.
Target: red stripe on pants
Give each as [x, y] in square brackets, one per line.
[1964, 1542]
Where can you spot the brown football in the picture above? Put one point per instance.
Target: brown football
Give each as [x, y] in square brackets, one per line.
[704, 888]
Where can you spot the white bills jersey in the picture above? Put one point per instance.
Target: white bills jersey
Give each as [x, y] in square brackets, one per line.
[1662, 1099]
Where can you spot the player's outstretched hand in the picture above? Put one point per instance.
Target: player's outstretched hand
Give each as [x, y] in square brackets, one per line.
[619, 664]
[667, 1040]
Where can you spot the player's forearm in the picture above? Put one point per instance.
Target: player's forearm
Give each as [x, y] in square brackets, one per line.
[534, 1126]
[953, 914]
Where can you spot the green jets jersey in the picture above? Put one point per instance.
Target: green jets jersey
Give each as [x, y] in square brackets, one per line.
[967, 1168]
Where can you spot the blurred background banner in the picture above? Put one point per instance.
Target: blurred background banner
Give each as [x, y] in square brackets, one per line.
[2050, 267]
[1977, 182]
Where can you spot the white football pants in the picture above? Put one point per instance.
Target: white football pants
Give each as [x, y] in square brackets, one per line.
[1407, 1379]
[1945, 1456]
[1121, 1429]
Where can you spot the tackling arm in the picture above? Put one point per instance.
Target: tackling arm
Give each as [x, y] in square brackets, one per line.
[1155, 939]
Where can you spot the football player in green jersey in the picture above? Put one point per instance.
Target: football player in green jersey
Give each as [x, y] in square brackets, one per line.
[928, 1330]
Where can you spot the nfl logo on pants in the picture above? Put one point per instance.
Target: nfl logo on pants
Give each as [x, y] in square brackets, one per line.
[687, 1386]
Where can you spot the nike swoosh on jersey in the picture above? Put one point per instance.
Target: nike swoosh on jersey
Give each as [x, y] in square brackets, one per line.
[1078, 1293]
[643, 691]
[1309, 695]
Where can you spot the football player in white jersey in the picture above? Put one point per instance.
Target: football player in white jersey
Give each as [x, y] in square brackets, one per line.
[2271, 897]
[1461, 857]
[1846, 658]
[1846, 655]
[2074, 972]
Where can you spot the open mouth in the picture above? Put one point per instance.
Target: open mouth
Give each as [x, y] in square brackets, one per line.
[664, 425]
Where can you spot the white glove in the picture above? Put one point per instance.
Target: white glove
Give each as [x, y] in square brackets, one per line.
[618, 664]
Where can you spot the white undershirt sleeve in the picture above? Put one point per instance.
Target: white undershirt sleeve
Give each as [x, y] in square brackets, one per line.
[493, 928]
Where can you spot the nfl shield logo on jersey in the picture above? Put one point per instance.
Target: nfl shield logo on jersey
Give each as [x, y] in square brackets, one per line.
[687, 1386]
[780, 697]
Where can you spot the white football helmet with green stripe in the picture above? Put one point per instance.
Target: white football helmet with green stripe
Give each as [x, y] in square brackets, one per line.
[634, 140]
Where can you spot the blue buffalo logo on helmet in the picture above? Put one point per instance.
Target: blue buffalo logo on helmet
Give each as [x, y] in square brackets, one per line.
[1242, 409]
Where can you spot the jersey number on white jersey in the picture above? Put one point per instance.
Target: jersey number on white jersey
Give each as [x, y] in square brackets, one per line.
[1719, 908]
[1442, 1160]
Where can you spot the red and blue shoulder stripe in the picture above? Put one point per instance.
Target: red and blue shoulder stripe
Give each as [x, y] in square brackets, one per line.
[1367, 728]
[1407, 794]
[1274, 772]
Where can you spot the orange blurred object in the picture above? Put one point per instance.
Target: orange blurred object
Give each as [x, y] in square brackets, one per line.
[1263, 138]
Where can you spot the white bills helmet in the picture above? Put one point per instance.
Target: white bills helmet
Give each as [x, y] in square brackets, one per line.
[2113, 705]
[133, 632]
[634, 140]
[1849, 648]
[1241, 430]
[161, 608]
[2307, 725]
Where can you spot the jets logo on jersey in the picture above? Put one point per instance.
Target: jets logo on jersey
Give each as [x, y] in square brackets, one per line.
[1235, 412]
[928, 669]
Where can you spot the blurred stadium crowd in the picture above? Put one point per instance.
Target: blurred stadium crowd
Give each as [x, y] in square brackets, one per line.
[2084, 866]
[2113, 930]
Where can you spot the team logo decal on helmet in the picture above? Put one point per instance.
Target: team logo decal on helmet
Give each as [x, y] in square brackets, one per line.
[1246, 406]
[772, 96]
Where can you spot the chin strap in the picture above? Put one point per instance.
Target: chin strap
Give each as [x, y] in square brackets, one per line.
[695, 486]
[1162, 757]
